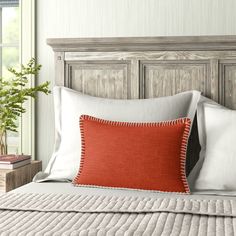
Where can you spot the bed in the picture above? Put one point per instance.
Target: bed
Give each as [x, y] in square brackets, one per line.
[60, 209]
[127, 68]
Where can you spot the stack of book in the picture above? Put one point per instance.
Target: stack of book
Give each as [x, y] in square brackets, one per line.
[11, 162]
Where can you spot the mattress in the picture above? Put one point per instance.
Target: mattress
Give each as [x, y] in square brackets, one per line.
[62, 209]
[68, 188]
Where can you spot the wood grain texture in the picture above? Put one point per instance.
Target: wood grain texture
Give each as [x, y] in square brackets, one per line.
[59, 68]
[11, 179]
[150, 55]
[227, 82]
[101, 79]
[174, 43]
[166, 78]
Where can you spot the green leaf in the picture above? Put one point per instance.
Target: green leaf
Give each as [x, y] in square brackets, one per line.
[15, 92]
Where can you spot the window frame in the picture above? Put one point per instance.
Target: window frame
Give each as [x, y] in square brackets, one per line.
[7, 45]
[27, 51]
[0, 42]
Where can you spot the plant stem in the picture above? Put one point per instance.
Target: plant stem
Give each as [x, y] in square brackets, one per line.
[3, 143]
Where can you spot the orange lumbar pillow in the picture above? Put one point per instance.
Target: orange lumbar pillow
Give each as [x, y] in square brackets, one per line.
[147, 156]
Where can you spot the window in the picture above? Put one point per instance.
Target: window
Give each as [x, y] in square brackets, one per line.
[9, 51]
[17, 45]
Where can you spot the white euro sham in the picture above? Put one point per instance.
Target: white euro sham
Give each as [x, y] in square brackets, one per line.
[218, 167]
[69, 105]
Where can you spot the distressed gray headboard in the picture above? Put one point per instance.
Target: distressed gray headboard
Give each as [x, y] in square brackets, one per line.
[149, 67]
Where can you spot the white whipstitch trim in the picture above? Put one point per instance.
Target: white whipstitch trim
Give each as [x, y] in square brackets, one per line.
[135, 124]
[183, 152]
[183, 148]
[81, 123]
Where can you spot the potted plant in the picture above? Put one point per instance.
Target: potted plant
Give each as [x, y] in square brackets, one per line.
[14, 93]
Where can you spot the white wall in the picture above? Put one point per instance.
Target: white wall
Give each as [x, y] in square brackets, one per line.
[102, 18]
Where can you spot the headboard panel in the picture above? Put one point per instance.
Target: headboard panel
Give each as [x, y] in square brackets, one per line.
[149, 67]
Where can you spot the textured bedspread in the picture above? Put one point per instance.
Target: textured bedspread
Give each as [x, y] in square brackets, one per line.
[60, 214]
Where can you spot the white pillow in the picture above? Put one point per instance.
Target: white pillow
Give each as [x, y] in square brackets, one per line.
[202, 140]
[219, 150]
[70, 105]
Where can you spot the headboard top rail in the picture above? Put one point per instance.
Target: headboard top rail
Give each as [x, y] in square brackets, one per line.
[167, 43]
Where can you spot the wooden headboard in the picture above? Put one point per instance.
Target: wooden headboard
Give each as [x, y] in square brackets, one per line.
[148, 67]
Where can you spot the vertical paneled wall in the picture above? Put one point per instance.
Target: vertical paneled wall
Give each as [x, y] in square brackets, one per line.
[106, 18]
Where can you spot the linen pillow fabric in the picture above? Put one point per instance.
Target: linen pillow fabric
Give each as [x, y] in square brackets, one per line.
[218, 168]
[202, 139]
[147, 156]
[69, 105]
[193, 175]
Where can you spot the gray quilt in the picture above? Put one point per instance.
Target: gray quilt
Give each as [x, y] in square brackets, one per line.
[61, 214]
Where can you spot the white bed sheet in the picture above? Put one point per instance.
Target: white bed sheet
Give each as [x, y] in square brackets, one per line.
[68, 188]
